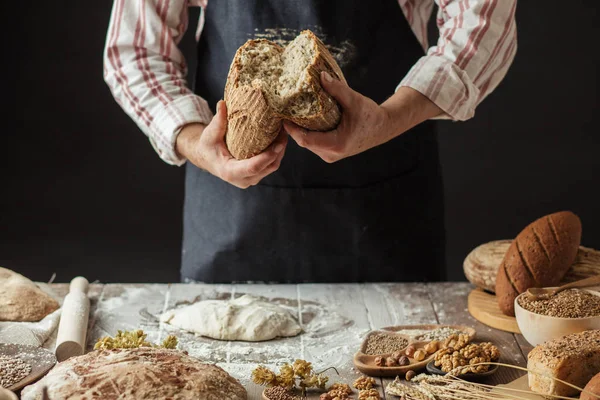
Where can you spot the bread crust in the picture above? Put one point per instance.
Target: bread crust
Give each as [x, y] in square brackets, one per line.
[540, 256]
[23, 300]
[253, 124]
[138, 373]
[592, 387]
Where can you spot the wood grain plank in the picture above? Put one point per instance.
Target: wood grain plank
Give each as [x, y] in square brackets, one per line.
[337, 348]
[523, 344]
[450, 303]
[391, 304]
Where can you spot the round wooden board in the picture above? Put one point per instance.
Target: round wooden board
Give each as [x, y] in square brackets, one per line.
[41, 361]
[365, 363]
[484, 308]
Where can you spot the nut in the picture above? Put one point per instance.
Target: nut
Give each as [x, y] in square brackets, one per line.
[397, 354]
[344, 388]
[432, 347]
[403, 361]
[379, 361]
[420, 355]
[363, 382]
[410, 351]
[410, 374]
[369, 394]
[391, 362]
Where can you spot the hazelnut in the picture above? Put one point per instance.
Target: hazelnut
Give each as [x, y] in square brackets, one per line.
[410, 374]
[410, 351]
[397, 354]
[391, 362]
[420, 355]
[403, 361]
[379, 361]
[432, 347]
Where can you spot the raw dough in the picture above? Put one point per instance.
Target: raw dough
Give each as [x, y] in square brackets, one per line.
[246, 318]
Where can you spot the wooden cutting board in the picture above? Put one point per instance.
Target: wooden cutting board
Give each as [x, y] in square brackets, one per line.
[484, 308]
[41, 361]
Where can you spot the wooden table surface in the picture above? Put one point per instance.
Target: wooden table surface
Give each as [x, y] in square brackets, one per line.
[368, 306]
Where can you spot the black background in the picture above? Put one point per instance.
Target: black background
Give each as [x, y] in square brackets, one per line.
[84, 193]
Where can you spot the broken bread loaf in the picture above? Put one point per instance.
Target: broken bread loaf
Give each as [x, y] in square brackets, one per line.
[574, 358]
[268, 83]
[22, 300]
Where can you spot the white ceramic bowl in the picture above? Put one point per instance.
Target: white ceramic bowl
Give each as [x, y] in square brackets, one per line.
[538, 328]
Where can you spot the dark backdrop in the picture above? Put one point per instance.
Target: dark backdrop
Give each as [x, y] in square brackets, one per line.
[84, 193]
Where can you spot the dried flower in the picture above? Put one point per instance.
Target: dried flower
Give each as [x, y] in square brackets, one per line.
[302, 368]
[264, 376]
[131, 340]
[285, 378]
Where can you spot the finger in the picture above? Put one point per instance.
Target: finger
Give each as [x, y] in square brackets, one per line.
[218, 126]
[254, 165]
[313, 140]
[338, 90]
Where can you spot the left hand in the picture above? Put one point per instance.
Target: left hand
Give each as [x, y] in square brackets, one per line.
[364, 123]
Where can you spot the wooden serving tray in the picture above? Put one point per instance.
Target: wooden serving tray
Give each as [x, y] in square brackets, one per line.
[483, 306]
[41, 361]
[365, 363]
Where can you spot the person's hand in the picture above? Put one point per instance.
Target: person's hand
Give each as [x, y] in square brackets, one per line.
[364, 123]
[204, 146]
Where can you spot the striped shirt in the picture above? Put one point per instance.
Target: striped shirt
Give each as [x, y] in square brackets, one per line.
[146, 71]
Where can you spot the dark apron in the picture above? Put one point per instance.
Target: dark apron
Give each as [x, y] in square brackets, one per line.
[377, 216]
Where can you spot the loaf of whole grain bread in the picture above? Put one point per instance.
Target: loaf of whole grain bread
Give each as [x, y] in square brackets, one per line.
[574, 358]
[539, 257]
[268, 83]
[592, 389]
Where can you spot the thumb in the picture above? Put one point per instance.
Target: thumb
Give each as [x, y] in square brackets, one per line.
[219, 121]
[338, 90]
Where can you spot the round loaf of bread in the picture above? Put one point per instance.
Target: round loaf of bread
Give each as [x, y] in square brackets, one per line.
[139, 373]
[23, 300]
[591, 389]
[539, 257]
[268, 83]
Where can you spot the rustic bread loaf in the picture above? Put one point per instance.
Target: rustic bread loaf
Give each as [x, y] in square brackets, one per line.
[481, 264]
[268, 83]
[574, 358]
[139, 373]
[21, 299]
[540, 256]
[592, 388]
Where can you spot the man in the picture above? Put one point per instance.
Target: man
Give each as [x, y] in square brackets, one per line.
[360, 203]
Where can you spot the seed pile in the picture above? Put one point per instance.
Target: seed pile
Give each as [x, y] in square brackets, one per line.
[384, 343]
[570, 303]
[279, 393]
[439, 334]
[12, 370]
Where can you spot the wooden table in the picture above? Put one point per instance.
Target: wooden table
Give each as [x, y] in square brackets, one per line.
[369, 306]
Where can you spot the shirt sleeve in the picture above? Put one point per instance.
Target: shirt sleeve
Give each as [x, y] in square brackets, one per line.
[477, 44]
[146, 71]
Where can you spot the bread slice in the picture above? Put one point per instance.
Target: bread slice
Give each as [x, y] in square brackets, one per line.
[268, 83]
[574, 358]
[540, 256]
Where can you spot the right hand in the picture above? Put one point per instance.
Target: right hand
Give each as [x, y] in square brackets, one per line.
[204, 146]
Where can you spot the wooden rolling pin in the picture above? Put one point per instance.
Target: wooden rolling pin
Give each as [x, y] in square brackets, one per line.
[72, 328]
[481, 265]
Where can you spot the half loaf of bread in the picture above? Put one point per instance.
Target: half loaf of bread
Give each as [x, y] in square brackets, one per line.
[268, 83]
[22, 300]
[539, 257]
[574, 358]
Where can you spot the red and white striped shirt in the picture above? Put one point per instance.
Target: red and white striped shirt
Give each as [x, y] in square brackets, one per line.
[146, 71]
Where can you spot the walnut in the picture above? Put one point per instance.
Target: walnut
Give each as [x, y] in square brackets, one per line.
[410, 351]
[369, 394]
[342, 387]
[432, 347]
[391, 362]
[364, 382]
[335, 395]
[457, 341]
[420, 355]
[491, 351]
[379, 361]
